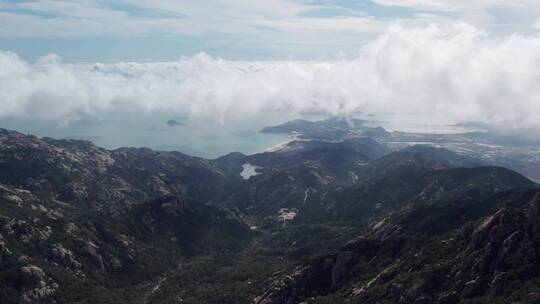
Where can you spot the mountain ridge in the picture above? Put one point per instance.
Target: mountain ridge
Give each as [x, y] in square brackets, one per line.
[82, 224]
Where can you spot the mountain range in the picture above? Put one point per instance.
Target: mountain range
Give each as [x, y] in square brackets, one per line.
[332, 218]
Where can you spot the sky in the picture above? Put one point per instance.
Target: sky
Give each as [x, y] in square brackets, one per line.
[164, 30]
[116, 71]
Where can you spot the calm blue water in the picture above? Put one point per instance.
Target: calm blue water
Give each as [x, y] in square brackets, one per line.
[200, 138]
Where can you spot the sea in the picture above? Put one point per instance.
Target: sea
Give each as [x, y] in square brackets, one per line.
[207, 138]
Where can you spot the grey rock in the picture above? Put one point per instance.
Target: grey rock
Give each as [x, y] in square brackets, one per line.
[35, 284]
[63, 256]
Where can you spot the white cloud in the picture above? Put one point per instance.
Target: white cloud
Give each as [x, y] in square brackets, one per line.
[457, 72]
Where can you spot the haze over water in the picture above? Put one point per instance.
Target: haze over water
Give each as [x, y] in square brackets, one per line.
[205, 138]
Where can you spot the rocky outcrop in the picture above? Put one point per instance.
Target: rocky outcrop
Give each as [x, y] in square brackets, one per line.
[4, 250]
[24, 230]
[58, 254]
[491, 256]
[324, 275]
[80, 173]
[288, 289]
[35, 284]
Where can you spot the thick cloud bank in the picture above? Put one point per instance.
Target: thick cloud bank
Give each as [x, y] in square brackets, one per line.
[456, 72]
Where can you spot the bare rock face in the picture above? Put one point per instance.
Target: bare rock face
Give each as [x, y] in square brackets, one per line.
[495, 243]
[157, 185]
[35, 284]
[285, 290]
[322, 276]
[63, 256]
